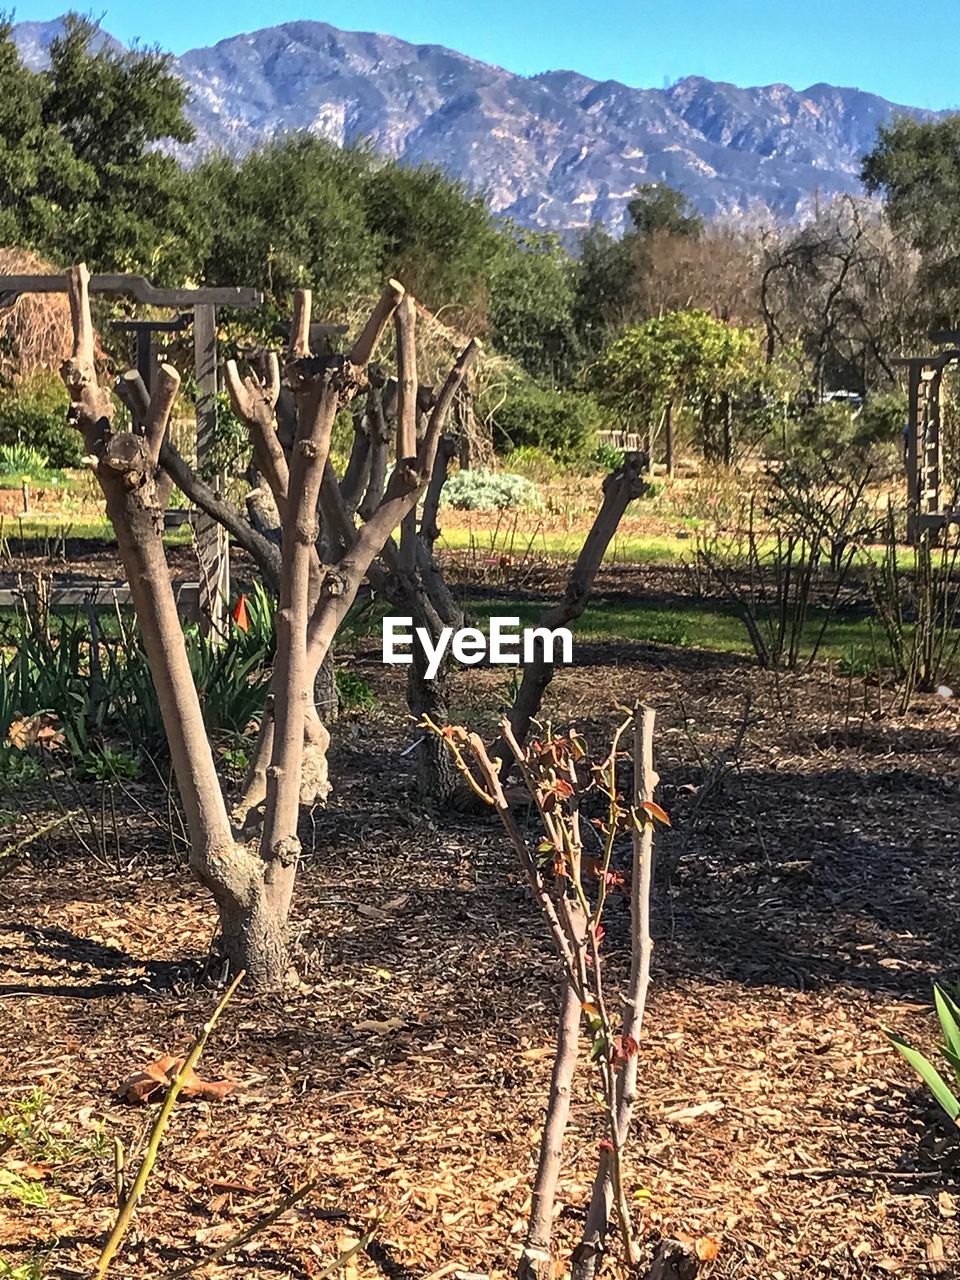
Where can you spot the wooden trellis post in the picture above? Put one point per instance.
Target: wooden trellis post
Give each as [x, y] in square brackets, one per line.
[213, 547]
[923, 451]
[211, 540]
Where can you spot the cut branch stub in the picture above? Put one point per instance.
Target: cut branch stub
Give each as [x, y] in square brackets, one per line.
[407, 381]
[159, 409]
[300, 326]
[364, 347]
[92, 404]
[132, 390]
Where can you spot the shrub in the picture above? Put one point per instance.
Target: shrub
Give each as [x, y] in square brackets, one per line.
[824, 429]
[33, 413]
[562, 423]
[837, 432]
[22, 460]
[882, 419]
[354, 693]
[533, 463]
[483, 490]
[606, 456]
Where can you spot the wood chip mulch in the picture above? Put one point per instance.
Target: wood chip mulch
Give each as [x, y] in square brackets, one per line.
[812, 901]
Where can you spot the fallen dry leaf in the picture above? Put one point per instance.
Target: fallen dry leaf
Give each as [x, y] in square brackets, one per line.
[707, 1248]
[151, 1081]
[686, 1115]
[370, 912]
[382, 1028]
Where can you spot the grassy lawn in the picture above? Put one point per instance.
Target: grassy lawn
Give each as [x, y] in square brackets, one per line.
[624, 549]
[465, 544]
[853, 640]
[40, 528]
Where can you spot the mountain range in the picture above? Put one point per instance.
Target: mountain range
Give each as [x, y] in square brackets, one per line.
[556, 151]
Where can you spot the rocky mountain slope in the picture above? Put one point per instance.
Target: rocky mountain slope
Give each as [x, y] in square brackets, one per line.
[556, 150]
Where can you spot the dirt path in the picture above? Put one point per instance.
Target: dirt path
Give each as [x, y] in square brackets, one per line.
[813, 902]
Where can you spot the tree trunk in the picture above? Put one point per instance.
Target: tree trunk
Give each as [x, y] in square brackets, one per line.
[620, 488]
[668, 424]
[438, 779]
[253, 937]
[325, 691]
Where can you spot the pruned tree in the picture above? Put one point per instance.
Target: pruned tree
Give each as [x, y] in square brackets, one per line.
[250, 867]
[624, 484]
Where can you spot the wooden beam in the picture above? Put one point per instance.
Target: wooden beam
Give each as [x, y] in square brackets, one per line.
[105, 595]
[131, 286]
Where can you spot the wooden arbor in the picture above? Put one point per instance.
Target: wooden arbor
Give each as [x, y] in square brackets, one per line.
[211, 538]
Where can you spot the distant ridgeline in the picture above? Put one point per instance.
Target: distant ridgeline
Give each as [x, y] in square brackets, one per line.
[555, 151]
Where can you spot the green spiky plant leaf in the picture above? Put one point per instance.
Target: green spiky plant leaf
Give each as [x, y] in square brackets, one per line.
[949, 1015]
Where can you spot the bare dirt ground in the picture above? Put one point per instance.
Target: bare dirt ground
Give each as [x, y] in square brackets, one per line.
[812, 902]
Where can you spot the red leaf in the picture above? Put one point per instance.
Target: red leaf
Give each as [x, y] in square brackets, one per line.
[622, 1050]
[241, 615]
[653, 810]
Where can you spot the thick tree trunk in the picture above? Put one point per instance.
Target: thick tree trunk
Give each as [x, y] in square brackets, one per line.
[325, 691]
[253, 936]
[438, 779]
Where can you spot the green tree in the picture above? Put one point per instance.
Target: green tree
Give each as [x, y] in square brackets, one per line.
[915, 166]
[301, 212]
[532, 295]
[659, 208]
[603, 287]
[113, 197]
[289, 215]
[33, 153]
[685, 360]
[435, 236]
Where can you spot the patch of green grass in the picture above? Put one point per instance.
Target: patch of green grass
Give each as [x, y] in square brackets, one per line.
[565, 546]
[692, 625]
[24, 1123]
[667, 548]
[36, 479]
[661, 548]
[91, 529]
[27, 1193]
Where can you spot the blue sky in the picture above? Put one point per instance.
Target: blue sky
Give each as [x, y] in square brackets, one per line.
[882, 46]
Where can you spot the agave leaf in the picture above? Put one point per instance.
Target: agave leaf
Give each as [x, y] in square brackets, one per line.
[928, 1073]
[954, 1060]
[949, 1016]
